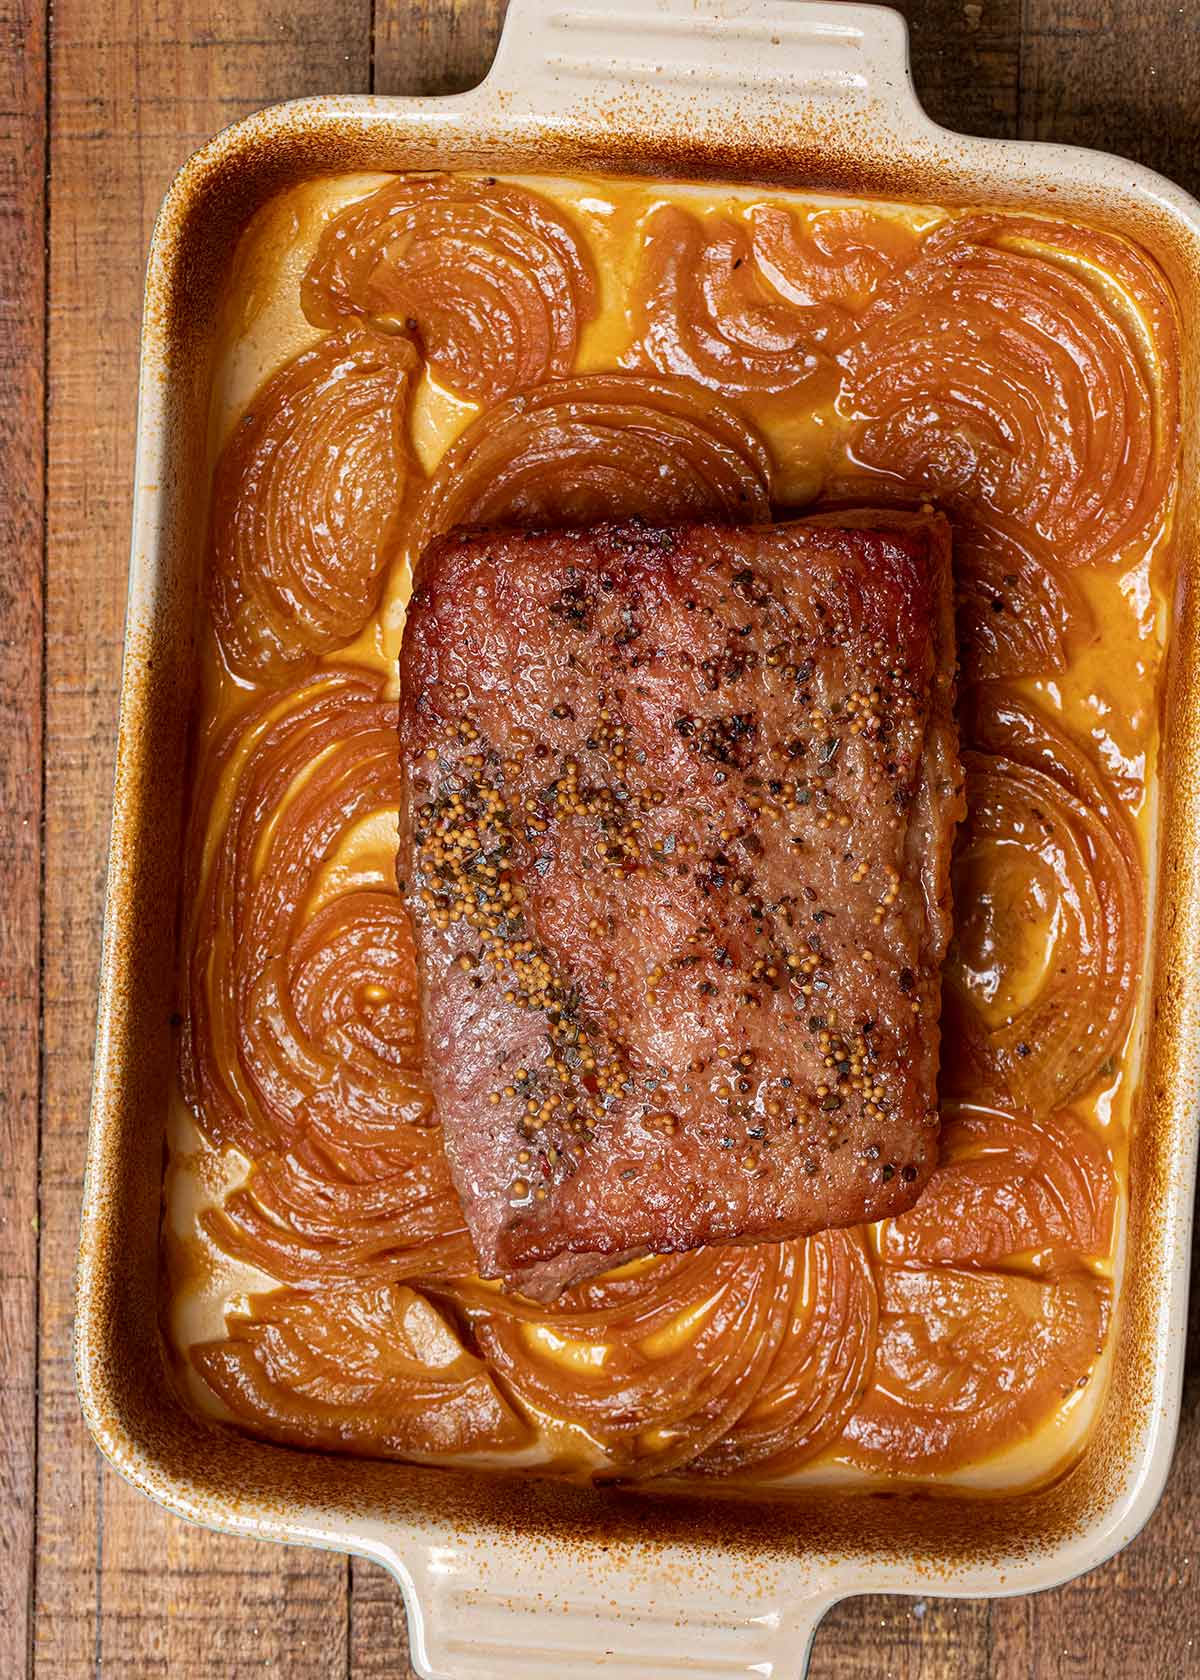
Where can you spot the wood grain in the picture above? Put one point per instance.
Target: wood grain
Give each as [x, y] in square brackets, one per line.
[435, 46]
[1121, 75]
[135, 84]
[378, 1626]
[966, 61]
[22, 467]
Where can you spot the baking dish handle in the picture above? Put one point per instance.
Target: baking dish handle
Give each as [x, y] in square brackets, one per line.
[841, 69]
[486, 1612]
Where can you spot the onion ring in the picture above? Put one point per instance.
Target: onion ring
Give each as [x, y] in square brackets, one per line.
[1045, 845]
[1000, 371]
[367, 1370]
[306, 502]
[489, 280]
[1008, 1185]
[598, 446]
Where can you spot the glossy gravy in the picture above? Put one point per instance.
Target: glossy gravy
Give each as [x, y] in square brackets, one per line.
[1021, 373]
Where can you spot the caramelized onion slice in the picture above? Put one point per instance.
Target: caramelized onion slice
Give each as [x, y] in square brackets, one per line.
[598, 446]
[840, 256]
[703, 310]
[819, 1371]
[1002, 370]
[372, 1370]
[1018, 614]
[351, 974]
[1009, 1185]
[491, 281]
[656, 1360]
[328, 1212]
[300, 1039]
[267, 1018]
[1048, 915]
[306, 500]
[300, 1042]
[758, 306]
[967, 1362]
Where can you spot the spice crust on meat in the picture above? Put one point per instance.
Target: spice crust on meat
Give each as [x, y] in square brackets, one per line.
[676, 830]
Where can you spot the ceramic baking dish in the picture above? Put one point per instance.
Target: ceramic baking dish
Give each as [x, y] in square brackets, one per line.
[507, 1576]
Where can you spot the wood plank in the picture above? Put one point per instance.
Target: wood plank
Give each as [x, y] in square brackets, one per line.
[378, 1625]
[1117, 74]
[966, 60]
[136, 85]
[180, 1601]
[439, 46]
[22, 472]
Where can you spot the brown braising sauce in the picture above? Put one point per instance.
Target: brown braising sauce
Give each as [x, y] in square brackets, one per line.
[404, 354]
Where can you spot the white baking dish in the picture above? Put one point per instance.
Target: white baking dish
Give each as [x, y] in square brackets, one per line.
[500, 1576]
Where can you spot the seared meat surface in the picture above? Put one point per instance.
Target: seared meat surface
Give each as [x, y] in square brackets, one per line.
[676, 838]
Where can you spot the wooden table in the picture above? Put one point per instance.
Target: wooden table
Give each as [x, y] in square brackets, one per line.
[100, 104]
